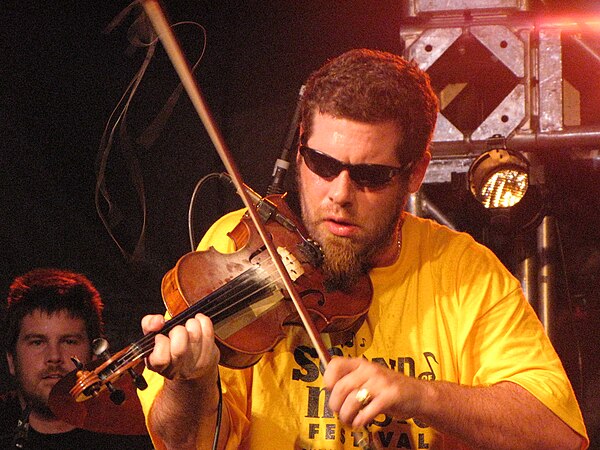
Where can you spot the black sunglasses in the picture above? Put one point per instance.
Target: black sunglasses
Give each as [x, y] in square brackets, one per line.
[364, 175]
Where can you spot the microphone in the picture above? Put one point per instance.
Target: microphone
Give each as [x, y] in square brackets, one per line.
[282, 164]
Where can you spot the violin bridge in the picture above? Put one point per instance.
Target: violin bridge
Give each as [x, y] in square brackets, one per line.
[291, 263]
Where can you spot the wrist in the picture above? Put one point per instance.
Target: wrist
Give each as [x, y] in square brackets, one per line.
[203, 392]
[429, 399]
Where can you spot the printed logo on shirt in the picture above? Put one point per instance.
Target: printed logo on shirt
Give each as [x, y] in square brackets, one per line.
[390, 433]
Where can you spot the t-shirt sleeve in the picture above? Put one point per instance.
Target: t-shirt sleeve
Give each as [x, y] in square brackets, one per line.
[506, 341]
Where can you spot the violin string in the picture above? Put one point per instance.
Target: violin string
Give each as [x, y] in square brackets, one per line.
[265, 283]
[212, 307]
[207, 306]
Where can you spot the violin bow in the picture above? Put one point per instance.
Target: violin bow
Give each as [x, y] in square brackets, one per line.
[168, 39]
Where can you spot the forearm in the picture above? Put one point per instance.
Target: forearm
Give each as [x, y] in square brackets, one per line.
[503, 416]
[184, 415]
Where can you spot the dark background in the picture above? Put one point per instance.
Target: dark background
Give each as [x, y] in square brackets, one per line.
[62, 75]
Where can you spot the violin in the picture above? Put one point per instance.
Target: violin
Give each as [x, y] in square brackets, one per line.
[242, 294]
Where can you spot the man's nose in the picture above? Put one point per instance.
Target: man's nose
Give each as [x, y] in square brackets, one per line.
[342, 189]
[55, 353]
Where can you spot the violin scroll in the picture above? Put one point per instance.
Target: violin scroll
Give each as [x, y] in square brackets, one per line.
[89, 383]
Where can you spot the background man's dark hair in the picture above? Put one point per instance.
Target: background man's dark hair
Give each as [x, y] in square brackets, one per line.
[372, 86]
[50, 291]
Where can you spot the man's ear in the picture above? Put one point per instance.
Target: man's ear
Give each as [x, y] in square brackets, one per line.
[298, 159]
[11, 364]
[418, 173]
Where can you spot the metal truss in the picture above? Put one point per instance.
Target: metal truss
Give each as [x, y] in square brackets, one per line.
[498, 70]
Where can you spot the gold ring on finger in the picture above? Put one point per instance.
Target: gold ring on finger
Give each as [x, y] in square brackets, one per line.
[363, 396]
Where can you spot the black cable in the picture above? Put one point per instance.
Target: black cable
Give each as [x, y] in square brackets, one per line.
[194, 245]
[219, 413]
[199, 184]
[276, 187]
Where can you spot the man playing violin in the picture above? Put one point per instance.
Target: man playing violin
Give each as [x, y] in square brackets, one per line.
[450, 354]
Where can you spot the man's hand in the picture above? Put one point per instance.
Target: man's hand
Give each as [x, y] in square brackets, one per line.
[189, 352]
[188, 359]
[383, 391]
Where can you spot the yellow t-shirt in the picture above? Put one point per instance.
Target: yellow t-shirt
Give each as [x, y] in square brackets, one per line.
[447, 309]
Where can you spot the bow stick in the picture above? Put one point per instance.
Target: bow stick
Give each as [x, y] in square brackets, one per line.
[182, 67]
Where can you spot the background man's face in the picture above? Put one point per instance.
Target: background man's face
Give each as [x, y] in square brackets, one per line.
[43, 353]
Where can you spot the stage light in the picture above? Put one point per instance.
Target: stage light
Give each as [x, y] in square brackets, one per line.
[499, 177]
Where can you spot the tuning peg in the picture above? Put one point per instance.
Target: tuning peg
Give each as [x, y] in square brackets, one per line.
[117, 396]
[100, 348]
[138, 380]
[92, 390]
[78, 364]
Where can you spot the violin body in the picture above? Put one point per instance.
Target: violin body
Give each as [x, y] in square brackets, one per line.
[264, 307]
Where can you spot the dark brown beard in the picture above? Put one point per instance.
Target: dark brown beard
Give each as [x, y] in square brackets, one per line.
[343, 266]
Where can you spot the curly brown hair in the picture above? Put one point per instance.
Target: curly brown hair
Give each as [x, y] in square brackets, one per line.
[52, 290]
[373, 86]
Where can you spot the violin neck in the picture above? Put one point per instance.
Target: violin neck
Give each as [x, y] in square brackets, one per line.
[226, 301]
